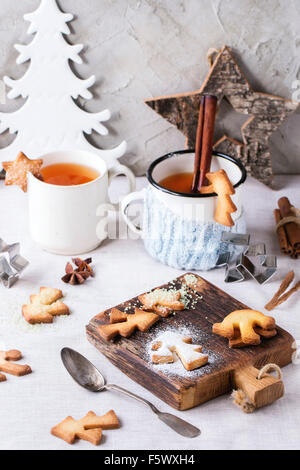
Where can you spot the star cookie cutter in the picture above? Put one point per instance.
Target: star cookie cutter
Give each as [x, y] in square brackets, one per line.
[12, 264]
[245, 266]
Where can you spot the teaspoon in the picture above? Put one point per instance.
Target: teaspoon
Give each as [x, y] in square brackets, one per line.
[89, 377]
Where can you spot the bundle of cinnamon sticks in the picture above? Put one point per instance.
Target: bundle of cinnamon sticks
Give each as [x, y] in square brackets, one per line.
[288, 228]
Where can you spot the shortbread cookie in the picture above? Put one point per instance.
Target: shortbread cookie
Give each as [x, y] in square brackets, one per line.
[10, 367]
[127, 323]
[245, 321]
[16, 171]
[221, 185]
[47, 296]
[169, 342]
[44, 306]
[88, 428]
[116, 316]
[237, 341]
[162, 301]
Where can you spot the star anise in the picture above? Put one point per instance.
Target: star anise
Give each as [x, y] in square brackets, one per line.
[84, 265]
[79, 275]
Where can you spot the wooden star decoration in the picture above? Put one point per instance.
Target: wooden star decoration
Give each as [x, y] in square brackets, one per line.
[226, 80]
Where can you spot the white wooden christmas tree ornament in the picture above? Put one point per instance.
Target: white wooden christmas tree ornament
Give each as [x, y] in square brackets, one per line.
[50, 120]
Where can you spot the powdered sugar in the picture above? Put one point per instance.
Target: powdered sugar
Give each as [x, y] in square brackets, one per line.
[176, 368]
[189, 354]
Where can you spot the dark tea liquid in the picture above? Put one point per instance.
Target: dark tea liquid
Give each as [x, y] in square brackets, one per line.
[181, 182]
[68, 174]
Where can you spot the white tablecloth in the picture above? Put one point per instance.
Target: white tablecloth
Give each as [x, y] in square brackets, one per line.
[31, 405]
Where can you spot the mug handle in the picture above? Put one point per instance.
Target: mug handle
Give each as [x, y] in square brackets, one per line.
[126, 201]
[118, 170]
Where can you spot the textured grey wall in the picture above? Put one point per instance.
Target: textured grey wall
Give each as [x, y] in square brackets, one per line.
[144, 48]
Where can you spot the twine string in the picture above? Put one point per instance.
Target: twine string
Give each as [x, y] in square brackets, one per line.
[240, 398]
[291, 218]
[269, 368]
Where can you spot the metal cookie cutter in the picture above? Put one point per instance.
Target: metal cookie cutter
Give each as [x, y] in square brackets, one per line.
[12, 264]
[252, 262]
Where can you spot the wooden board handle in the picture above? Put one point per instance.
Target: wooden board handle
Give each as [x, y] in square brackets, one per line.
[260, 392]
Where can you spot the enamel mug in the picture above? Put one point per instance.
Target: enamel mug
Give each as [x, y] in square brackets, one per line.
[64, 219]
[179, 229]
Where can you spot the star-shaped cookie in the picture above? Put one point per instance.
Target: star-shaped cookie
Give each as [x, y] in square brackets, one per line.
[16, 171]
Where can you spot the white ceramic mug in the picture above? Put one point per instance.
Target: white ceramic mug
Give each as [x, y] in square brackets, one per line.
[179, 229]
[63, 219]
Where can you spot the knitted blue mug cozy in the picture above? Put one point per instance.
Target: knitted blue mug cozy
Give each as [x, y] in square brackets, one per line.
[183, 243]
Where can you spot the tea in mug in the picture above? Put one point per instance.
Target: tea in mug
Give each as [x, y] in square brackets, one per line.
[68, 174]
[180, 182]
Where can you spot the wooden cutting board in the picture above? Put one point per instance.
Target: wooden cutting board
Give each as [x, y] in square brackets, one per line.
[227, 368]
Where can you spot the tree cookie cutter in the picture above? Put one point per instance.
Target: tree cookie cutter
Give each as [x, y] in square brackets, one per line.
[12, 264]
[253, 262]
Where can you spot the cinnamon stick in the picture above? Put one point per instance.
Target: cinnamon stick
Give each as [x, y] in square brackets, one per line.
[207, 138]
[284, 245]
[292, 229]
[198, 146]
[282, 288]
[288, 294]
[204, 140]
